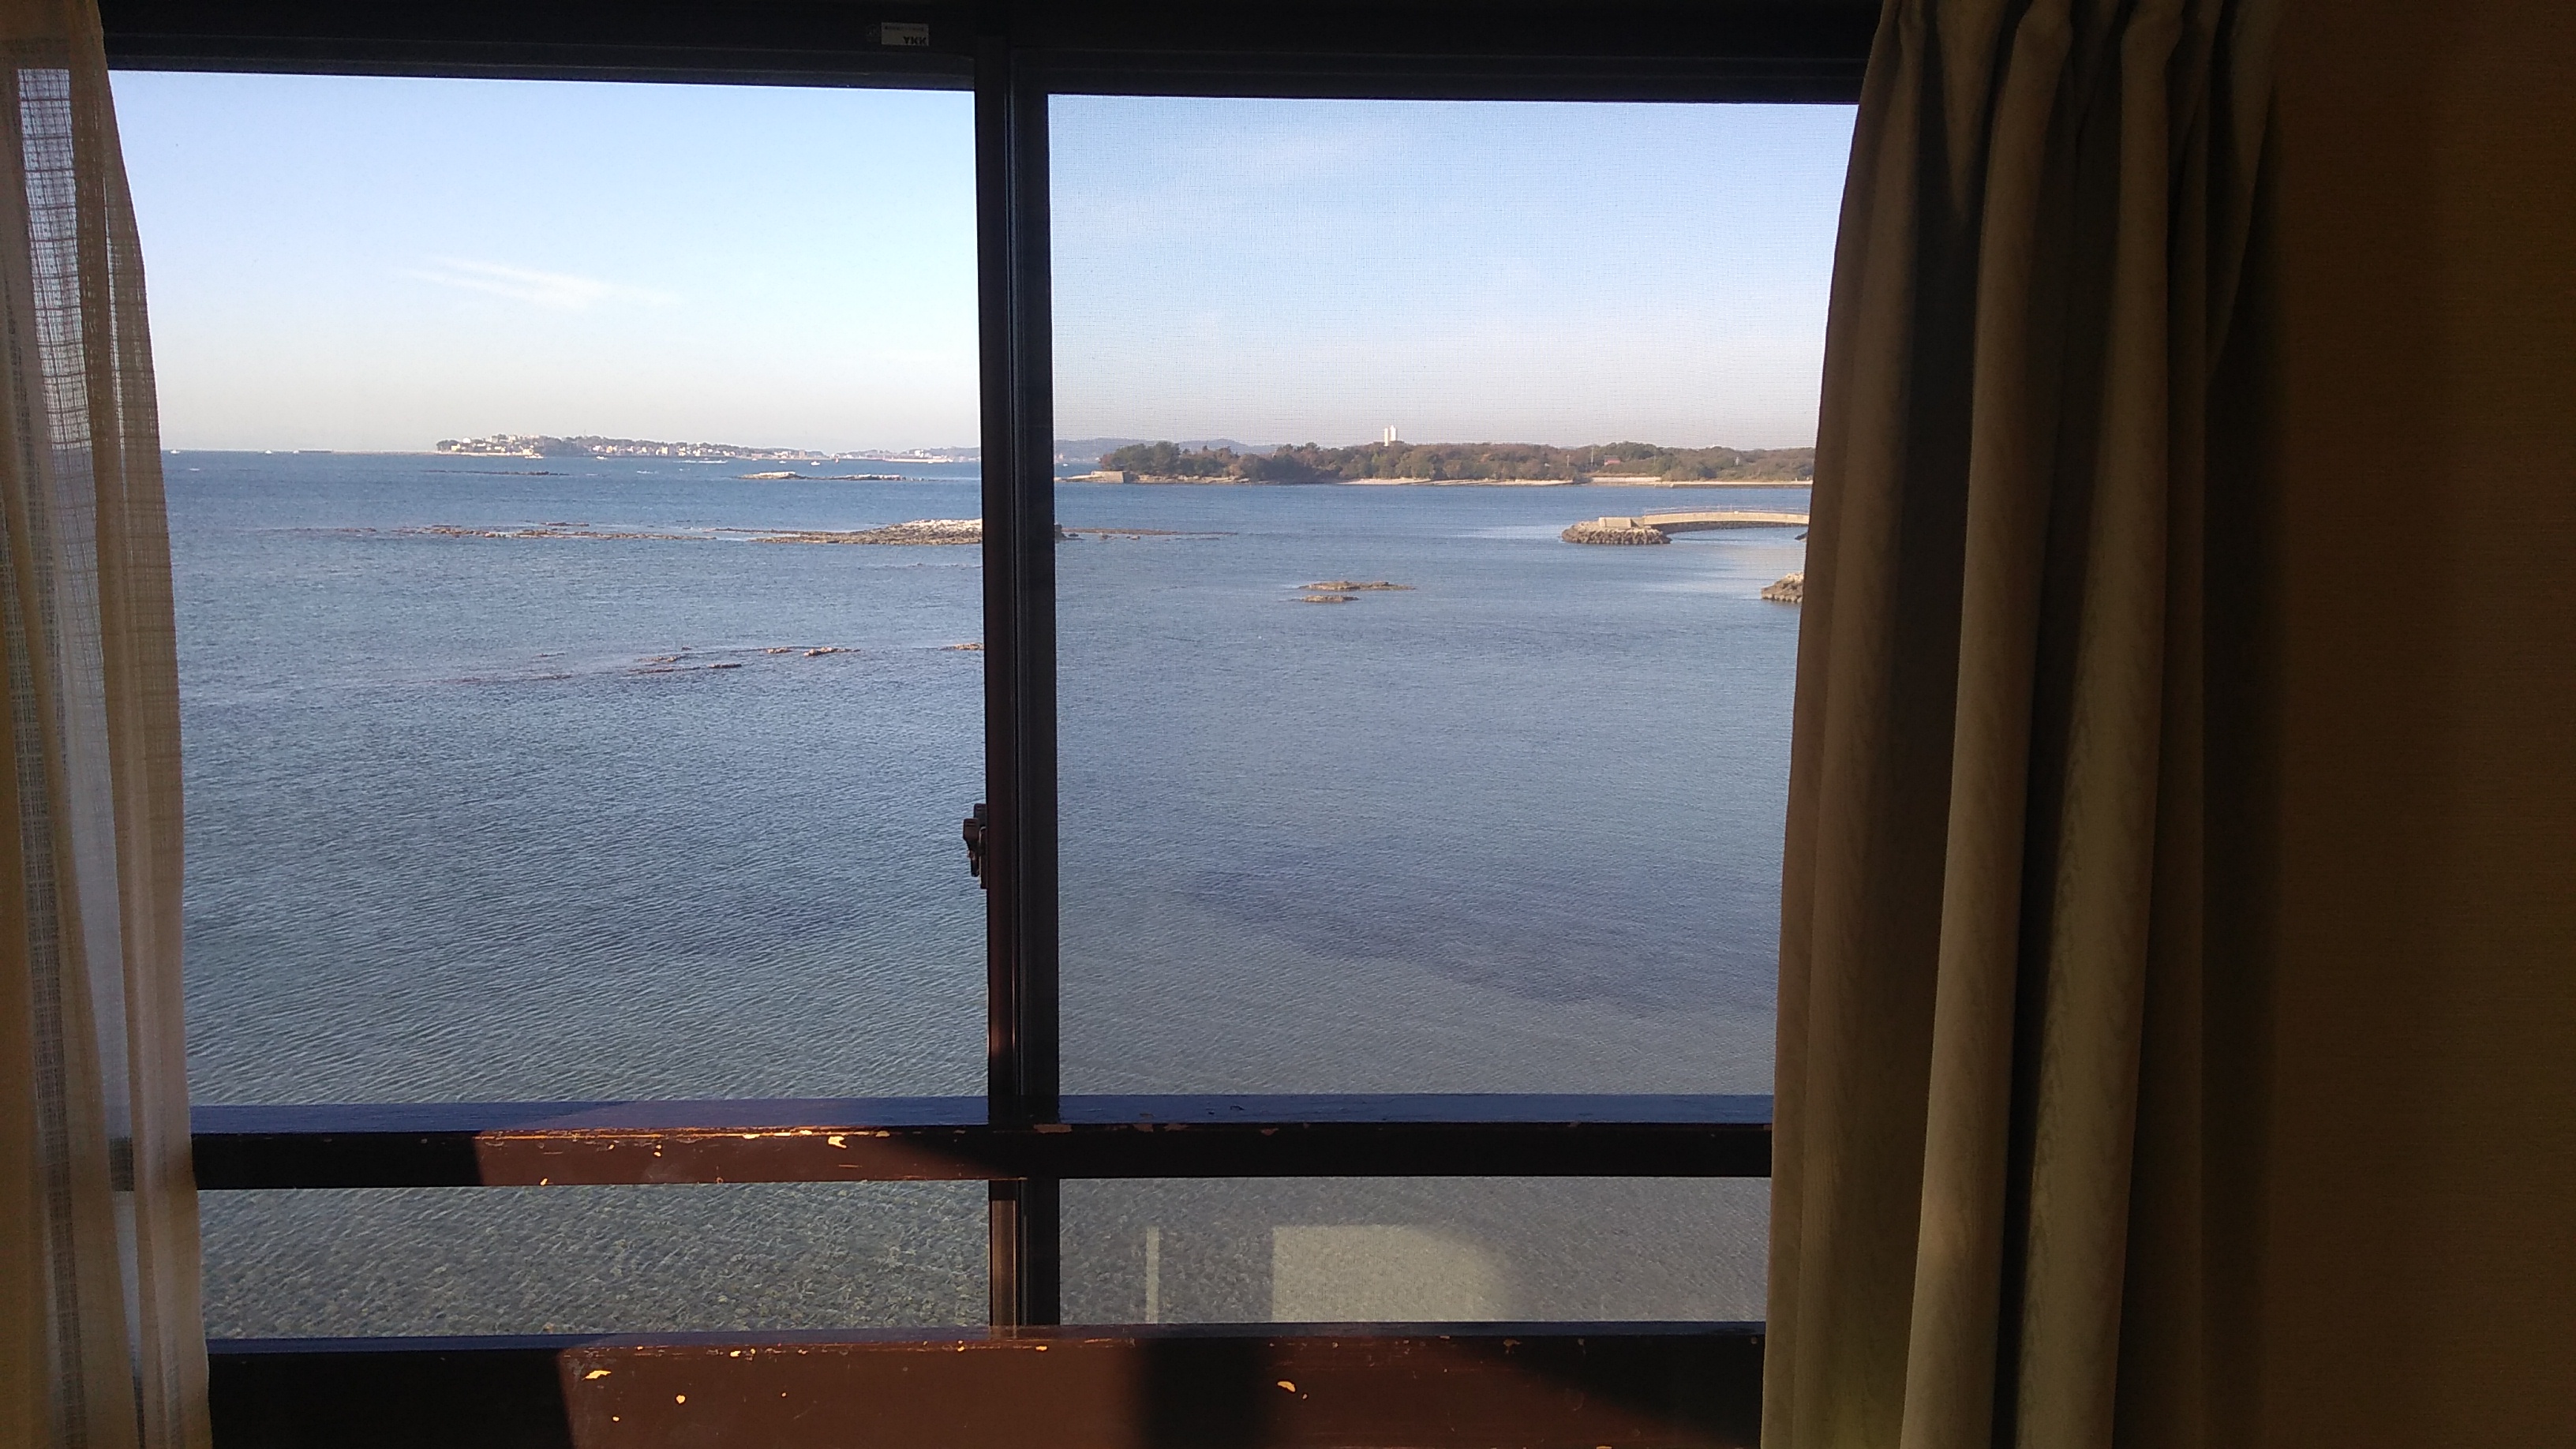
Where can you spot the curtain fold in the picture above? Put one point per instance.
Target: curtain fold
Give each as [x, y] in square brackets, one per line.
[1986, 1181]
[101, 1342]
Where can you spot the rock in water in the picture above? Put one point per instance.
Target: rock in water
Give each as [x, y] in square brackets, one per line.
[919, 530]
[1791, 589]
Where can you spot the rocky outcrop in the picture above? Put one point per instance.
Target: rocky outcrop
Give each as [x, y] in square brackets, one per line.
[919, 530]
[1613, 530]
[1791, 589]
[545, 530]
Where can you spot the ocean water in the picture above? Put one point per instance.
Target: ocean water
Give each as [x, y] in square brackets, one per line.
[449, 836]
[481, 818]
[1514, 826]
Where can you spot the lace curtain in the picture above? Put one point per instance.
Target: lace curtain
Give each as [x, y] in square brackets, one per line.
[100, 1338]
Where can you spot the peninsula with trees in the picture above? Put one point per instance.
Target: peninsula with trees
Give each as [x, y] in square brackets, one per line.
[1633, 464]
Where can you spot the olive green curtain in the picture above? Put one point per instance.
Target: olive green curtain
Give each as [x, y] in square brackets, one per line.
[101, 1344]
[1991, 1057]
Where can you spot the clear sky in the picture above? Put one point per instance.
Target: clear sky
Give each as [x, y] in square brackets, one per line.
[377, 263]
[1293, 271]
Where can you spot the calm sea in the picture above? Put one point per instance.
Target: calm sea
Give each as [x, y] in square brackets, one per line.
[553, 818]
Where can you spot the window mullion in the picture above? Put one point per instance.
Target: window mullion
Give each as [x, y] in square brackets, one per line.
[1019, 657]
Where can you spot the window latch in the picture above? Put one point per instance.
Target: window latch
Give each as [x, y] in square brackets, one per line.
[975, 827]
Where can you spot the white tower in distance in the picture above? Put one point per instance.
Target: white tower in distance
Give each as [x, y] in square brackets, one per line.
[1390, 435]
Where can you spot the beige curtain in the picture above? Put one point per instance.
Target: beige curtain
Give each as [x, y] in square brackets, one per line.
[100, 1339]
[1993, 1069]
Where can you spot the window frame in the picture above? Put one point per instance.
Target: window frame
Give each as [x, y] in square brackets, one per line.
[1024, 1138]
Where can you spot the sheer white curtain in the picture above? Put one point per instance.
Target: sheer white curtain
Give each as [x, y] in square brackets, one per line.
[1994, 1091]
[100, 1339]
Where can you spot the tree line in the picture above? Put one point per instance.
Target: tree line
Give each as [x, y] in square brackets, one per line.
[1441, 462]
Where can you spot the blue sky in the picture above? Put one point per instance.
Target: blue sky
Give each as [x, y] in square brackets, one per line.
[1291, 271]
[373, 263]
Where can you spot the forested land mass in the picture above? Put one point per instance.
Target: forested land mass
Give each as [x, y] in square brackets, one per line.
[1461, 462]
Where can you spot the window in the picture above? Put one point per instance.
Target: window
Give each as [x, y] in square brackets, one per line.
[1371, 781]
[548, 740]
[1379, 1202]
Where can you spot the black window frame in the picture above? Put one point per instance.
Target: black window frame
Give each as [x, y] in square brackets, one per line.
[1024, 1137]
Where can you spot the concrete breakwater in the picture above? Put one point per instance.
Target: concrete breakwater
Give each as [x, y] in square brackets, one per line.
[1652, 528]
[1614, 530]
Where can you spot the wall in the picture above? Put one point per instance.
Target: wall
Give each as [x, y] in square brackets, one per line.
[2414, 1227]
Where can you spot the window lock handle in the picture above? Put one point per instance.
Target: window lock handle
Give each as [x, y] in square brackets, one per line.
[976, 824]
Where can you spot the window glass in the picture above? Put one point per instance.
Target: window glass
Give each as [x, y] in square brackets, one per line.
[1448, 753]
[1415, 1250]
[528, 755]
[558, 726]
[365, 1263]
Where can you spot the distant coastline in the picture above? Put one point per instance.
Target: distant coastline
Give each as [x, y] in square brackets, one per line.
[1218, 461]
[1525, 465]
[546, 445]
[1592, 482]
